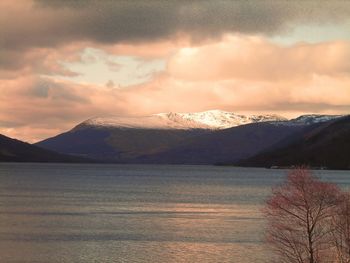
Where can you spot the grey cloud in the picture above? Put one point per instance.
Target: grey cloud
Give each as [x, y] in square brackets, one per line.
[127, 21]
[41, 90]
[12, 60]
[10, 124]
[51, 23]
[45, 88]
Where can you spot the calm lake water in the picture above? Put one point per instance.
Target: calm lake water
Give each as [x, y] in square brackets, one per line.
[135, 213]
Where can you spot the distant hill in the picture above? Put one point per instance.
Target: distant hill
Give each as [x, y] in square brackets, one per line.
[172, 146]
[223, 145]
[326, 145]
[115, 144]
[209, 137]
[12, 150]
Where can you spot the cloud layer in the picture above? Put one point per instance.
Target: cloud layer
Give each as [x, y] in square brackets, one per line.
[238, 73]
[122, 21]
[218, 55]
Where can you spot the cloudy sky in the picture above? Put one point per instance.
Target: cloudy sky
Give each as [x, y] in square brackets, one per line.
[64, 61]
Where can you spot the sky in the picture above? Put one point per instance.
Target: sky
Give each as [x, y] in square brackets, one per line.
[65, 61]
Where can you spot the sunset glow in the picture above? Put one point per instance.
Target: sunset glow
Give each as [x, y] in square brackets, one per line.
[62, 62]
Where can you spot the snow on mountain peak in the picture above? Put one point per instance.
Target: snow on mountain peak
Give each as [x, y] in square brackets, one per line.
[314, 118]
[309, 119]
[212, 119]
[217, 119]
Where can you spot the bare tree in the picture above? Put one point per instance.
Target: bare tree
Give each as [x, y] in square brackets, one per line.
[341, 229]
[299, 215]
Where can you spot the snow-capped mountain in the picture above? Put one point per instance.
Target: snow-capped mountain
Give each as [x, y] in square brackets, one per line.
[314, 118]
[309, 119]
[216, 119]
[213, 119]
[182, 138]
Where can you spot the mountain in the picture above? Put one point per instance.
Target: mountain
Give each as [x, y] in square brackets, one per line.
[223, 145]
[213, 119]
[322, 145]
[12, 150]
[129, 139]
[117, 144]
[204, 137]
[309, 119]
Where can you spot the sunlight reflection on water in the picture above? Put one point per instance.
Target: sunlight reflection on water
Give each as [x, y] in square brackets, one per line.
[135, 213]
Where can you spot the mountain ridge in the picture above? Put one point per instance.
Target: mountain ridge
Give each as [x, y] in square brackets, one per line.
[13, 150]
[177, 137]
[326, 145]
[212, 120]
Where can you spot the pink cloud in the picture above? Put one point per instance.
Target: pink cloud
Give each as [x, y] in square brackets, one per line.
[45, 106]
[255, 58]
[237, 73]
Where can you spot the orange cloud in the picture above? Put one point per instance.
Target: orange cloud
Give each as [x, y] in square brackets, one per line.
[238, 73]
[32, 108]
[255, 58]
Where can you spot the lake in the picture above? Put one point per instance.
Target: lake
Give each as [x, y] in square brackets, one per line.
[136, 213]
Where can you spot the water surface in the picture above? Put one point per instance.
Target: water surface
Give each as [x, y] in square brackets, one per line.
[135, 213]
